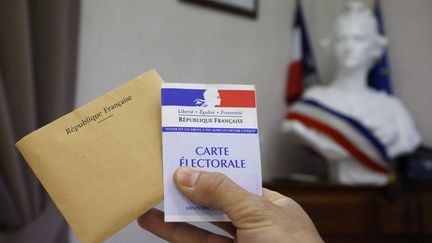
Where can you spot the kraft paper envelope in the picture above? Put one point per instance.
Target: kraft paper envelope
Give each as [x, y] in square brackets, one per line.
[102, 163]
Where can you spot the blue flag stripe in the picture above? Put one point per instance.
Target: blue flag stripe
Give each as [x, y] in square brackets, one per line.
[379, 76]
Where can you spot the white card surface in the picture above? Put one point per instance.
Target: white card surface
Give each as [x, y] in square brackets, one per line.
[212, 128]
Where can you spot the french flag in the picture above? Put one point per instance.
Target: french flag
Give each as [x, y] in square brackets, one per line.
[302, 71]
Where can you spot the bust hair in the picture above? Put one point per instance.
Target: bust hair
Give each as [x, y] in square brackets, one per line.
[361, 14]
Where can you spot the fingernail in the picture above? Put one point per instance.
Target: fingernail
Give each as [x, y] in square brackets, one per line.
[186, 176]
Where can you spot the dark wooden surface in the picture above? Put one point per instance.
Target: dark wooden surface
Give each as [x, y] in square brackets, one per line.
[365, 214]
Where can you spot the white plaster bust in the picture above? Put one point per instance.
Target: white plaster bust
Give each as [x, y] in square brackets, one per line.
[356, 45]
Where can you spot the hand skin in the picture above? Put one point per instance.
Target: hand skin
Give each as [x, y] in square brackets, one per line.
[254, 219]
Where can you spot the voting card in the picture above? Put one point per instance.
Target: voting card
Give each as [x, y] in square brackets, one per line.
[213, 128]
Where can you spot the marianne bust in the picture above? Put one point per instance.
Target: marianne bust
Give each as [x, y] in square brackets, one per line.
[330, 117]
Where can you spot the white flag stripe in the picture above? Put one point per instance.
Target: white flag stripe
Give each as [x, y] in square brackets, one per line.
[296, 46]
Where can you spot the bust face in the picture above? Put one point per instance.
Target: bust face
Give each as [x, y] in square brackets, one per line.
[212, 97]
[354, 44]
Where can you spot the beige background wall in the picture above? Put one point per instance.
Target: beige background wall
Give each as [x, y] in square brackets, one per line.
[187, 43]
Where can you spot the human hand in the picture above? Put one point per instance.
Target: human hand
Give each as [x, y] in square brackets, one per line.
[270, 218]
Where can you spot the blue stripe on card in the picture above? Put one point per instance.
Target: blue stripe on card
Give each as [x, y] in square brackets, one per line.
[210, 130]
[181, 97]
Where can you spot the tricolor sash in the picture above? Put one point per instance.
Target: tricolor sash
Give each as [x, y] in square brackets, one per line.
[349, 133]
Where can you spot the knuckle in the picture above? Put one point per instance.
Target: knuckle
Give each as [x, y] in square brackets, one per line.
[254, 213]
[213, 189]
[291, 203]
[215, 183]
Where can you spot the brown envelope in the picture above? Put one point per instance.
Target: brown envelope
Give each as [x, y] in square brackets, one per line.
[102, 163]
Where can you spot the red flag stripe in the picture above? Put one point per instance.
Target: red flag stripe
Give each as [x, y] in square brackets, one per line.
[295, 82]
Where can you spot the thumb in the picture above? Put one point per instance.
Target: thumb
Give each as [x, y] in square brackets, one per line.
[217, 191]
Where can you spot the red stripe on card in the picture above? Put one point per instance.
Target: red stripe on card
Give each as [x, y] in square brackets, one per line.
[237, 98]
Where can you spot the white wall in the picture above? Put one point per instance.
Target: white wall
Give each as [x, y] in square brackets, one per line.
[187, 43]
[410, 33]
